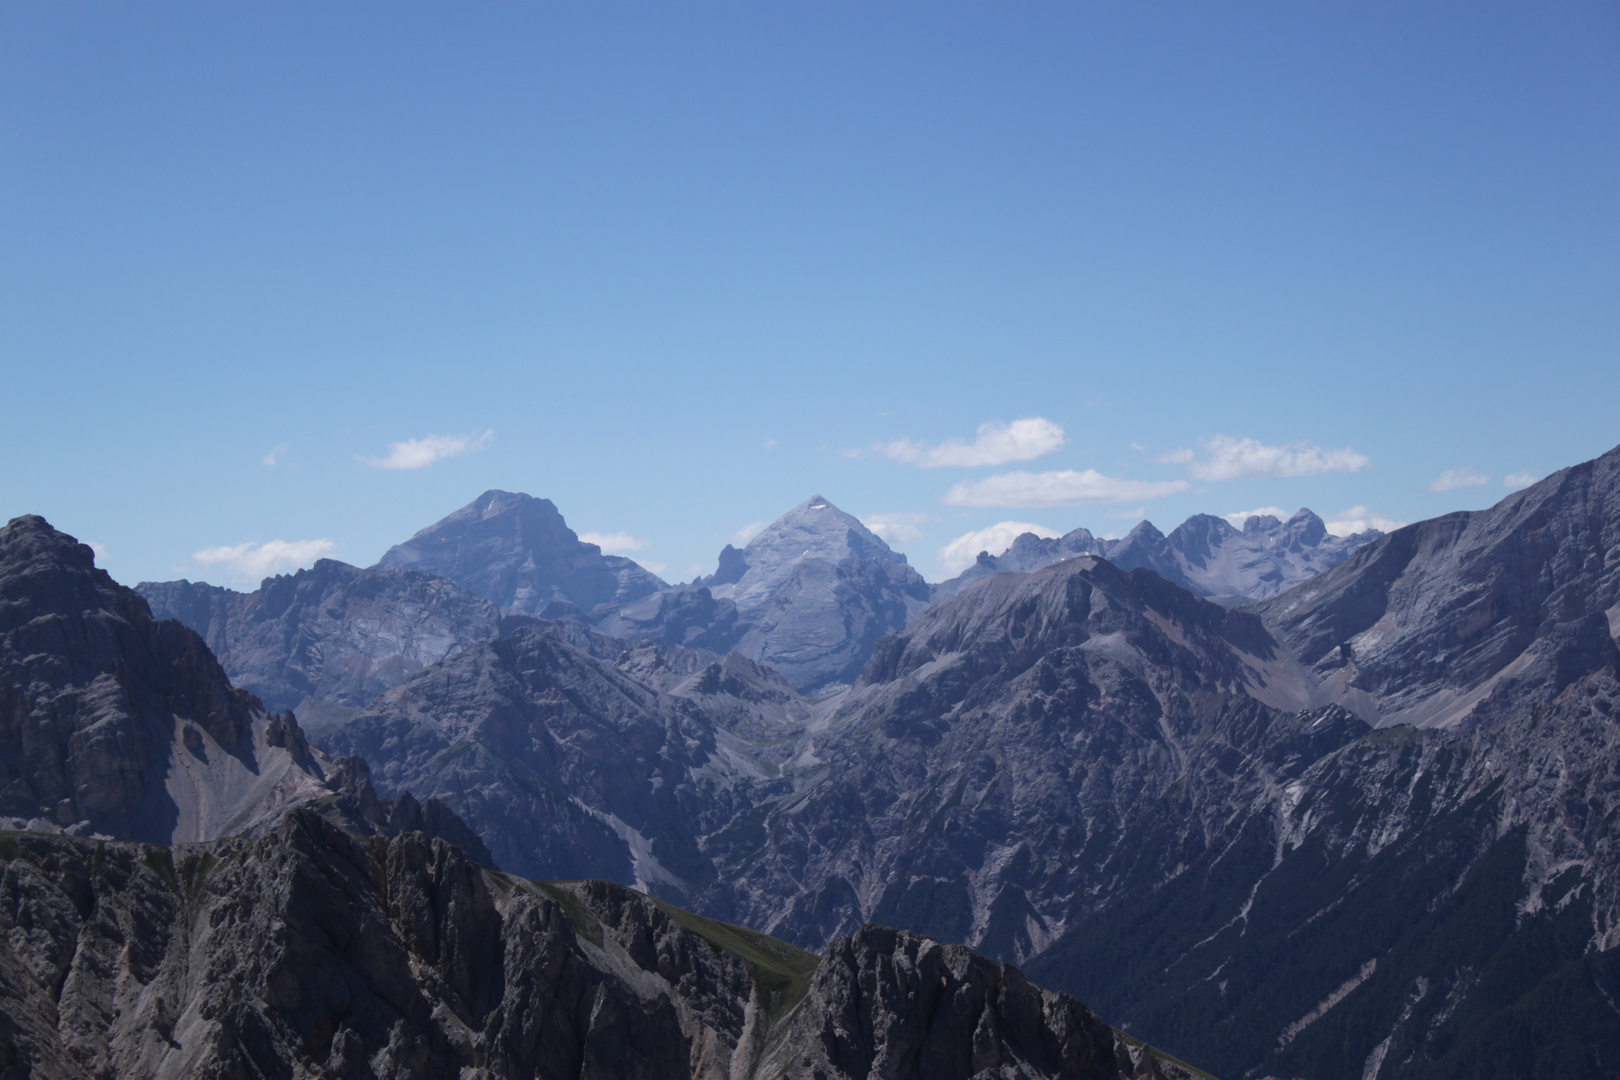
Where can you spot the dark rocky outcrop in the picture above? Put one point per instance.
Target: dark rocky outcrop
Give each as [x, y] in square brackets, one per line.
[1206, 555]
[113, 722]
[333, 633]
[517, 551]
[316, 952]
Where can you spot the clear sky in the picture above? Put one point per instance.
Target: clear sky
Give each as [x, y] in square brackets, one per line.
[677, 267]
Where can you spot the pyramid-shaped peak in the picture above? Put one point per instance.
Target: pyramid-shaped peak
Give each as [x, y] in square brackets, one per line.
[819, 530]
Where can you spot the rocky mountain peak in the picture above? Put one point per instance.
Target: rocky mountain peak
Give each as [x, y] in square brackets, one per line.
[517, 551]
[815, 529]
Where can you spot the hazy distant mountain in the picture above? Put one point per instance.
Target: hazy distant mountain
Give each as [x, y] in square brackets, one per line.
[330, 634]
[809, 596]
[517, 551]
[1205, 555]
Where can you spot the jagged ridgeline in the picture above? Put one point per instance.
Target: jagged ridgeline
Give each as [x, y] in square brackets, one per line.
[315, 952]
[1362, 827]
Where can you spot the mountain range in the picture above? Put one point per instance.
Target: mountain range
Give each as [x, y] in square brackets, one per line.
[1363, 826]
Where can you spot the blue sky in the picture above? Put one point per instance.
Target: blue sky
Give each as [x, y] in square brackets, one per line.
[677, 267]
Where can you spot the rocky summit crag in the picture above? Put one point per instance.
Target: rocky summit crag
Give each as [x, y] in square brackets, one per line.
[316, 952]
[518, 552]
[809, 596]
[1206, 555]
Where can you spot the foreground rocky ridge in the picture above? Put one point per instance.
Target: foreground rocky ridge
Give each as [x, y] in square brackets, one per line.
[316, 952]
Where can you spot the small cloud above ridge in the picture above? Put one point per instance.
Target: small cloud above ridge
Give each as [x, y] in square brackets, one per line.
[741, 537]
[1065, 488]
[250, 563]
[1515, 480]
[1225, 457]
[900, 527]
[1359, 519]
[1465, 477]
[420, 453]
[1239, 517]
[995, 443]
[612, 543]
[962, 552]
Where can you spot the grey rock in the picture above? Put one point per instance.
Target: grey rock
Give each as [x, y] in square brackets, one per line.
[316, 952]
[518, 552]
[333, 633]
[1205, 554]
[809, 596]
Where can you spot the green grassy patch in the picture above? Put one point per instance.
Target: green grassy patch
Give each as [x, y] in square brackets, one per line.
[781, 971]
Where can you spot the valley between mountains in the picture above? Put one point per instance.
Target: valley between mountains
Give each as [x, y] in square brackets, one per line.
[1279, 802]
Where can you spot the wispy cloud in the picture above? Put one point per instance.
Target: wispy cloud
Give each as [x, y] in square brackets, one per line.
[99, 549]
[1225, 457]
[1359, 519]
[420, 453]
[960, 553]
[615, 542]
[1126, 515]
[741, 537]
[1066, 488]
[1239, 517]
[770, 444]
[900, 527]
[1452, 479]
[250, 563]
[1515, 480]
[995, 444]
[275, 455]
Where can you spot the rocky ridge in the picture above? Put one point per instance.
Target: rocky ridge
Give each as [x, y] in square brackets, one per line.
[316, 952]
[1206, 555]
[332, 634]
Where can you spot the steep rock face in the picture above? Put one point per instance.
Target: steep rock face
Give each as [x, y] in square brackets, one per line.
[1422, 625]
[116, 723]
[315, 952]
[1205, 555]
[517, 551]
[809, 596]
[976, 782]
[564, 764]
[332, 633]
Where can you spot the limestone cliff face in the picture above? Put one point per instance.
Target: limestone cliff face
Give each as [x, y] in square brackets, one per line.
[332, 633]
[316, 952]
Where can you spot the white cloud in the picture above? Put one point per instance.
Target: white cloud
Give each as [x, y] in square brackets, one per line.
[611, 543]
[275, 455]
[1228, 458]
[1360, 519]
[1519, 479]
[99, 549]
[1066, 488]
[770, 444]
[1238, 518]
[1452, 479]
[656, 567]
[741, 537]
[1126, 515]
[420, 453]
[250, 563]
[960, 553]
[896, 528]
[996, 444]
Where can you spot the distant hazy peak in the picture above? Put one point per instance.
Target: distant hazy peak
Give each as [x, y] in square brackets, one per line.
[816, 529]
